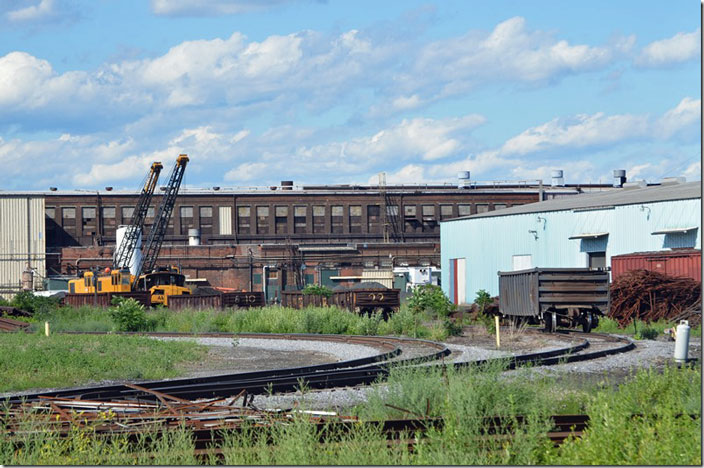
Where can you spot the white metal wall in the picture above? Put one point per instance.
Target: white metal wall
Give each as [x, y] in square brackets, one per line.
[22, 240]
[489, 244]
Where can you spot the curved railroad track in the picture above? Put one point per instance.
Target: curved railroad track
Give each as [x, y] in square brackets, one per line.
[338, 374]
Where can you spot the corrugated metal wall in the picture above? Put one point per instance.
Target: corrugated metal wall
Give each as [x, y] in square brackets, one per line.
[22, 240]
[489, 244]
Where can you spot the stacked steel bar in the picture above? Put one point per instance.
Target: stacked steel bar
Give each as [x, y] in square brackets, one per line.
[650, 296]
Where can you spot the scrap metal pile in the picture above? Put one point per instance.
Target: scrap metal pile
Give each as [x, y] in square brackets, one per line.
[650, 296]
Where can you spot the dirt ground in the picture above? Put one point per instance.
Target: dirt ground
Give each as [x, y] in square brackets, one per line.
[230, 359]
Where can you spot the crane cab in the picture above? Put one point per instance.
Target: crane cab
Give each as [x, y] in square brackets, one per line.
[163, 283]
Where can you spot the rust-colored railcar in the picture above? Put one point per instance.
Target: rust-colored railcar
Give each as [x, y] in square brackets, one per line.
[681, 262]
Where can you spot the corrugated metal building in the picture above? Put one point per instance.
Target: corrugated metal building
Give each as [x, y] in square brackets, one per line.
[580, 231]
[22, 240]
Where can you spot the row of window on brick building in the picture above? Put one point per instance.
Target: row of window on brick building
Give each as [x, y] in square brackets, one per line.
[276, 219]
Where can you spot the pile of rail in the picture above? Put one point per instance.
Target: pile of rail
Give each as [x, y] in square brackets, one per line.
[650, 296]
[209, 420]
[8, 324]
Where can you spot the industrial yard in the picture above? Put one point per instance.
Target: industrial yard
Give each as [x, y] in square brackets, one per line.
[287, 232]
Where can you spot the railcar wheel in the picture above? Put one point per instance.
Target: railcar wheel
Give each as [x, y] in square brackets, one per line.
[550, 320]
[587, 321]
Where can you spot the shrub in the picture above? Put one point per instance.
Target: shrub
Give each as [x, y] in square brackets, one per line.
[430, 298]
[129, 315]
[27, 301]
[316, 290]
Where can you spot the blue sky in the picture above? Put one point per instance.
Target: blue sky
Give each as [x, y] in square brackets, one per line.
[259, 91]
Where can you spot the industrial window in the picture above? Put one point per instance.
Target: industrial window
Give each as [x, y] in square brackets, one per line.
[373, 218]
[356, 219]
[186, 219]
[109, 222]
[68, 219]
[336, 219]
[429, 221]
[319, 219]
[482, 207]
[392, 210]
[127, 212]
[225, 220]
[88, 221]
[411, 223]
[281, 219]
[499, 206]
[50, 212]
[464, 210]
[88, 213]
[262, 220]
[299, 219]
[150, 212]
[445, 211]
[186, 211]
[206, 219]
[244, 220]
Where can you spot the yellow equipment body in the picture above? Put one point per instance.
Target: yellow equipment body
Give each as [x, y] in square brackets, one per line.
[160, 284]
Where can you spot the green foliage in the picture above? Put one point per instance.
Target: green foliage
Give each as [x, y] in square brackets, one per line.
[646, 333]
[317, 290]
[430, 298]
[482, 300]
[663, 434]
[38, 361]
[27, 301]
[129, 315]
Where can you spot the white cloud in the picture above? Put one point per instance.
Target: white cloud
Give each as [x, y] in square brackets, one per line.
[686, 115]
[246, 172]
[210, 7]
[44, 9]
[677, 49]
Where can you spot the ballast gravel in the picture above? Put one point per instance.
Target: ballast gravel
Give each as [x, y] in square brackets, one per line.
[340, 351]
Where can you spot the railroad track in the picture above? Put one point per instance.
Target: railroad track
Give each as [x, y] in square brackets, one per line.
[339, 374]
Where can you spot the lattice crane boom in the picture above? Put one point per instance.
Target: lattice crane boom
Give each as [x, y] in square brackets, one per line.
[152, 246]
[125, 251]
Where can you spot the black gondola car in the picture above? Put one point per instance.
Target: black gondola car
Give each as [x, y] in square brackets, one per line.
[567, 297]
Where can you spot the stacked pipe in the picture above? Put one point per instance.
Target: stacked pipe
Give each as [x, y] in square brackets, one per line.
[650, 296]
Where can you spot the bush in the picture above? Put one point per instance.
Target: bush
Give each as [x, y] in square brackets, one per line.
[129, 315]
[430, 298]
[28, 302]
[315, 290]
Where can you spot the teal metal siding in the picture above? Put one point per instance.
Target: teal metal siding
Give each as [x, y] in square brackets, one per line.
[488, 244]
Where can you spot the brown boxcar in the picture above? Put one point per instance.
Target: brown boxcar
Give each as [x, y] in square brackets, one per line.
[555, 296]
[355, 300]
[186, 301]
[684, 262]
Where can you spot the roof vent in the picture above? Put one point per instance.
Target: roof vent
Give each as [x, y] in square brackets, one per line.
[635, 185]
[619, 177]
[557, 178]
[286, 185]
[463, 179]
[673, 180]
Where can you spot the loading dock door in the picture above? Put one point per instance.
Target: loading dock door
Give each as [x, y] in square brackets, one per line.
[457, 280]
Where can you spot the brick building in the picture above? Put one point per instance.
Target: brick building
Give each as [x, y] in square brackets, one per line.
[282, 237]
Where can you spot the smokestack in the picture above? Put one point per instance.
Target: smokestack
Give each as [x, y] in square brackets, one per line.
[557, 178]
[619, 177]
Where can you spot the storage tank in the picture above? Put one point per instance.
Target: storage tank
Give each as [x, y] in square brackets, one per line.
[682, 263]
[137, 256]
[194, 237]
[27, 280]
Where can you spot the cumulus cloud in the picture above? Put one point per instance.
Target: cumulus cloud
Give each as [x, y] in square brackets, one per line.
[509, 53]
[679, 48]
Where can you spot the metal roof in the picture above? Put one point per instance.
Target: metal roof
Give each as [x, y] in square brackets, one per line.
[601, 200]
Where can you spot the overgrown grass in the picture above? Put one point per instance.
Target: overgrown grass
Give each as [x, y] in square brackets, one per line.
[327, 320]
[641, 329]
[37, 361]
[662, 435]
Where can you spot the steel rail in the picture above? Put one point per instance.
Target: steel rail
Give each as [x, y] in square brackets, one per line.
[344, 373]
